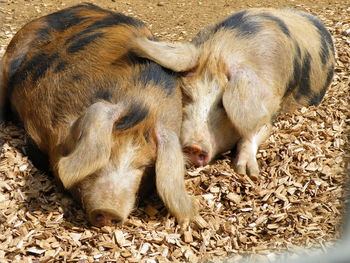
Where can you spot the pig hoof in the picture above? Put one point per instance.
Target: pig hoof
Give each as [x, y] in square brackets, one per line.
[240, 169]
[184, 224]
[188, 212]
[102, 218]
[253, 171]
[197, 155]
[250, 168]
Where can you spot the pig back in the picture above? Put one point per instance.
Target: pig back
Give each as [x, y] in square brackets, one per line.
[290, 50]
[58, 65]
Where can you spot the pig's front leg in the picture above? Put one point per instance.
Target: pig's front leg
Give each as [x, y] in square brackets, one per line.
[249, 104]
[247, 148]
[170, 177]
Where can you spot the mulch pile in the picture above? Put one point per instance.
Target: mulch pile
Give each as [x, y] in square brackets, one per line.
[297, 202]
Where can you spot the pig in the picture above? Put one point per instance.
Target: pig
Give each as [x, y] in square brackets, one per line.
[105, 116]
[237, 75]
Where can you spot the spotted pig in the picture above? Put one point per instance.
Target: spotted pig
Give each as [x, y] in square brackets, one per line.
[239, 73]
[105, 116]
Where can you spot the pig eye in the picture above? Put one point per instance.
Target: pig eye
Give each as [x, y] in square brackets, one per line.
[147, 136]
[115, 221]
[186, 98]
[220, 105]
[144, 167]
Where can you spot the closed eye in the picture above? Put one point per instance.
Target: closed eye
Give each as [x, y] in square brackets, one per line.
[186, 98]
[146, 166]
[220, 105]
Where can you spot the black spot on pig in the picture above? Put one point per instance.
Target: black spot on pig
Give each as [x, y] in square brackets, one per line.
[135, 115]
[117, 19]
[279, 21]
[44, 65]
[325, 38]
[113, 20]
[61, 66]
[241, 22]
[103, 94]
[77, 77]
[304, 85]
[295, 78]
[329, 76]
[322, 30]
[317, 98]
[82, 42]
[324, 52]
[152, 72]
[90, 6]
[25, 70]
[44, 34]
[61, 21]
[15, 64]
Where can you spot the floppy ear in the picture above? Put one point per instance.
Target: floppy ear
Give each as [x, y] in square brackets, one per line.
[170, 176]
[88, 143]
[178, 57]
[245, 99]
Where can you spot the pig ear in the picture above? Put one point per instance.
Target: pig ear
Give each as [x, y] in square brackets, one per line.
[88, 143]
[178, 57]
[170, 176]
[245, 100]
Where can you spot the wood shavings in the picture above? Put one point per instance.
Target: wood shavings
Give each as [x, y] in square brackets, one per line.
[296, 202]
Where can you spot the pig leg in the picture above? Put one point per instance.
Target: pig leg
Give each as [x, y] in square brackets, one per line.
[248, 102]
[247, 148]
[170, 177]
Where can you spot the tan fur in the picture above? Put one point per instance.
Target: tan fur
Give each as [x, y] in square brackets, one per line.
[177, 57]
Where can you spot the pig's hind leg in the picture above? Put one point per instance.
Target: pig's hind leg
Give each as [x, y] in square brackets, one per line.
[248, 102]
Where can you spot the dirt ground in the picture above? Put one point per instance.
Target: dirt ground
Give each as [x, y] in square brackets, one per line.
[297, 202]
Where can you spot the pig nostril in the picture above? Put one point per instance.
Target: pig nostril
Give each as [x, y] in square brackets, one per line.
[99, 218]
[202, 157]
[115, 221]
[105, 217]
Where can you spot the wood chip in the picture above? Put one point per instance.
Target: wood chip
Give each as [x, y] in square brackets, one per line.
[119, 238]
[188, 237]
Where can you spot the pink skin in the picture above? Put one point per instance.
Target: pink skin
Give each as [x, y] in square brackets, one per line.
[104, 218]
[197, 156]
[201, 152]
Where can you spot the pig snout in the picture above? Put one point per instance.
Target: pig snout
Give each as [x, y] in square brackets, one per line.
[105, 217]
[196, 155]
